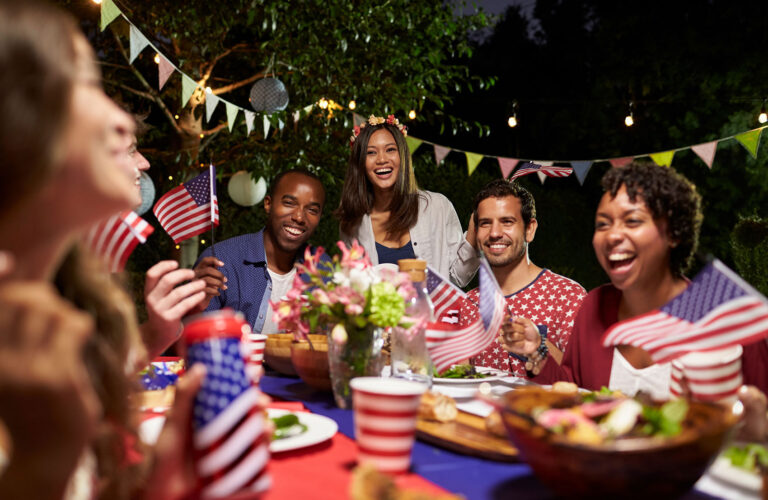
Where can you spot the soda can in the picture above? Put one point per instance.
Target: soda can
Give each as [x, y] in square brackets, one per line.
[231, 445]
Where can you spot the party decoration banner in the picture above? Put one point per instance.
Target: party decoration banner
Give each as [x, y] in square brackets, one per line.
[750, 140]
[706, 152]
[663, 159]
[472, 160]
[231, 114]
[109, 13]
[581, 168]
[507, 165]
[620, 162]
[266, 126]
[249, 117]
[188, 87]
[440, 153]
[413, 143]
[164, 71]
[138, 43]
[211, 101]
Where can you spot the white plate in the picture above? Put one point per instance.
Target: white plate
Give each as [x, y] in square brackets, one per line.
[723, 471]
[493, 374]
[319, 429]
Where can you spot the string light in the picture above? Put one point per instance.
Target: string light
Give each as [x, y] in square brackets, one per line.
[202, 135]
[176, 116]
[323, 103]
[97, 2]
[157, 58]
[208, 90]
[178, 246]
[629, 120]
[412, 114]
[202, 242]
[352, 104]
[170, 177]
[512, 120]
[762, 117]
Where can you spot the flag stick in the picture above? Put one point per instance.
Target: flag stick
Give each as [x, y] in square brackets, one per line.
[213, 180]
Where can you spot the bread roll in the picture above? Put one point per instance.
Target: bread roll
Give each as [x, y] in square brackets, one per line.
[439, 407]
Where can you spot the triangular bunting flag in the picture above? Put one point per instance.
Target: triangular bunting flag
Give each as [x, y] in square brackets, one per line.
[542, 176]
[138, 42]
[472, 160]
[296, 116]
[507, 165]
[581, 168]
[164, 70]
[663, 159]
[266, 126]
[280, 124]
[308, 109]
[188, 87]
[357, 120]
[706, 152]
[440, 153]
[249, 117]
[211, 101]
[231, 114]
[413, 143]
[750, 140]
[109, 12]
[620, 162]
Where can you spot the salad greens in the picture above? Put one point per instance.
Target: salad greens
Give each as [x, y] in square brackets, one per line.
[286, 426]
[462, 371]
[750, 457]
[665, 420]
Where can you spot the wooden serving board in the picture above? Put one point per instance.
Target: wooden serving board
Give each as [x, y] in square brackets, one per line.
[466, 435]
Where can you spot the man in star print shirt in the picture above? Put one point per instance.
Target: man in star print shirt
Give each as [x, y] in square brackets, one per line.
[537, 299]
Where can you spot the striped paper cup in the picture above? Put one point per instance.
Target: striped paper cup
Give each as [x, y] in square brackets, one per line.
[713, 375]
[385, 421]
[253, 353]
[677, 382]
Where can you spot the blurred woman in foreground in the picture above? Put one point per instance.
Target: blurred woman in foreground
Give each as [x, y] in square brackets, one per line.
[71, 349]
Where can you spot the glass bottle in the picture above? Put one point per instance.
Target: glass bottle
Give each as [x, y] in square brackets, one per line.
[410, 358]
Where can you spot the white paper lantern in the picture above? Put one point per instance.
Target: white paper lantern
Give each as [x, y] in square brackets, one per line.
[244, 191]
[147, 188]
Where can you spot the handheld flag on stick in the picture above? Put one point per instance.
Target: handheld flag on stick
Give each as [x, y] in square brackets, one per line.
[187, 210]
[548, 170]
[115, 238]
[449, 344]
[717, 310]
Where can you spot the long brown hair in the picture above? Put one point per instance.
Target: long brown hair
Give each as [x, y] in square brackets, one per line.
[357, 192]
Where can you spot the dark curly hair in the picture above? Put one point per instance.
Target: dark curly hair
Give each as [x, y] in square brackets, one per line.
[501, 188]
[668, 195]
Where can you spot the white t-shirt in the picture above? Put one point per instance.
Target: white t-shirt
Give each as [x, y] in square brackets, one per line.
[630, 380]
[281, 284]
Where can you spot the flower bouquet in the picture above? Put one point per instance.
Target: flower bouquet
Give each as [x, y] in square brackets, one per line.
[353, 302]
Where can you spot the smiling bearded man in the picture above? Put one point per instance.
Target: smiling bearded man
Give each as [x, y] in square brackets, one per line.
[259, 267]
[538, 300]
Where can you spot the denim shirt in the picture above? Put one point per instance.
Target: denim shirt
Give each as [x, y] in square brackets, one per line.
[249, 286]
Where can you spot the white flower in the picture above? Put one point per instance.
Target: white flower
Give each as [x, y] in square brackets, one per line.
[360, 279]
[339, 334]
[340, 279]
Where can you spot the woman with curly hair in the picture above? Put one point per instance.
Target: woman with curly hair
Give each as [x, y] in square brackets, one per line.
[646, 232]
[384, 210]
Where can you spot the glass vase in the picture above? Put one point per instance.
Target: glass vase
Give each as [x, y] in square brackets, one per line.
[359, 356]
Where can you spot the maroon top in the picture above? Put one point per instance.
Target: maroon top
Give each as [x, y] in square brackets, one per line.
[588, 364]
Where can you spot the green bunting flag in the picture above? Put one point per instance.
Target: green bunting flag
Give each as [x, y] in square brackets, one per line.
[231, 114]
[109, 13]
[750, 140]
[413, 143]
[662, 159]
[188, 87]
[472, 160]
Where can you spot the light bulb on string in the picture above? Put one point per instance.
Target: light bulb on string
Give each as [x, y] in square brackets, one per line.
[323, 103]
[412, 114]
[208, 90]
[762, 117]
[157, 58]
[512, 121]
[629, 120]
[202, 242]
[352, 104]
[170, 177]
[97, 2]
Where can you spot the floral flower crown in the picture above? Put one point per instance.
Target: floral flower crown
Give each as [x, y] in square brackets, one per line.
[377, 120]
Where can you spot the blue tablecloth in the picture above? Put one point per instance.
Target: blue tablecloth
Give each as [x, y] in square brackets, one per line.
[474, 478]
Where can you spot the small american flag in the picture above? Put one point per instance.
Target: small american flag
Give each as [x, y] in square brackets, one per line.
[550, 170]
[230, 441]
[188, 210]
[115, 238]
[449, 344]
[717, 310]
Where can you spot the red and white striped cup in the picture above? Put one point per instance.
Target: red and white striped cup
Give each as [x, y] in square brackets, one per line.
[253, 353]
[710, 376]
[385, 421]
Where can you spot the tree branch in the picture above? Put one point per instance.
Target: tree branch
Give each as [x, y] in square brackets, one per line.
[237, 85]
[209, 70]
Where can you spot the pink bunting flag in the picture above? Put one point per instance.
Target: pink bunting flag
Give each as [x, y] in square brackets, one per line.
[164, 70]
[507, 165]
[440, 153]
[620, 162]
[706, 152]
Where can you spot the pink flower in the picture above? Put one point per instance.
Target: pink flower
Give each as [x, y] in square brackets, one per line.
[353, 309]
[321, 296]
[286, 313]
[353, 257]
[339, 334]
[311, 261]
[298, 288]
[391, 119]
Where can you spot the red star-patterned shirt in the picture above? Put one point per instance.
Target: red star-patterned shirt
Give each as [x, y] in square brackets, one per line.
[550, 300]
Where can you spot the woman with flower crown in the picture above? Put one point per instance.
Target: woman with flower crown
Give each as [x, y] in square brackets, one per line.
[384, 210]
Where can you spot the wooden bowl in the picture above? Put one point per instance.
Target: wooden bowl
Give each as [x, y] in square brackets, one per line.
[277, 353]
[643, 467]
[312, 365]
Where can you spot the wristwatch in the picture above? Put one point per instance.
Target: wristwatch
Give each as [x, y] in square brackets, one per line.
[542, 350]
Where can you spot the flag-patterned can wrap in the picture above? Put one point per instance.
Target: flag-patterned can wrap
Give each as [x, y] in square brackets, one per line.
[385, 411]
[231, 445]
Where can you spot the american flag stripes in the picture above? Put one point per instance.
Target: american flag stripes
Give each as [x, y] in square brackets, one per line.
[188, 210]
[115, 238]
[549, 170]
[717, 310]
[230, 439]
[449, 344]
